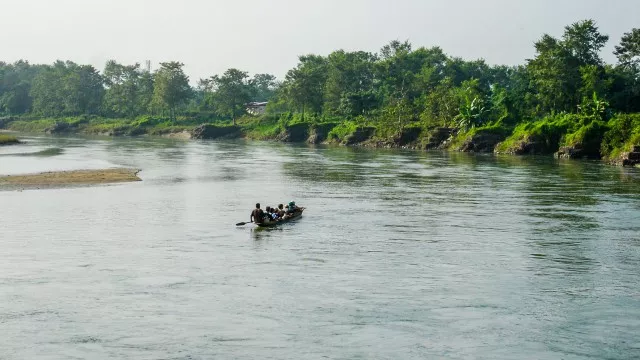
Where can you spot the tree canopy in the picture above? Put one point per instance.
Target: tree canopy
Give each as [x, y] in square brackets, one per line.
[396, 87]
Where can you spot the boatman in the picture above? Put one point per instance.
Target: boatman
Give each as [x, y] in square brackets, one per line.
[257, 215]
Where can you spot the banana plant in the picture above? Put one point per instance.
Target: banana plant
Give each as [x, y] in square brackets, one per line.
[472, 113]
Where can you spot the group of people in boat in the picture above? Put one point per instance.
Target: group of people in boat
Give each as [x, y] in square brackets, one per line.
[279, 213]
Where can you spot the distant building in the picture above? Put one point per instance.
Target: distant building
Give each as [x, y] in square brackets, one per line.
[256, 108]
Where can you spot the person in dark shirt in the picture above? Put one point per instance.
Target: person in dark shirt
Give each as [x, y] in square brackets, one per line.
[257, 215]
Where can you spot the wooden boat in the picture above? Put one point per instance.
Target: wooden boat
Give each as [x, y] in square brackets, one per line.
[272, 223]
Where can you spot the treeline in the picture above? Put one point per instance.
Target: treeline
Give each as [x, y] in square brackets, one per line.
[397, 87]
[123, 91]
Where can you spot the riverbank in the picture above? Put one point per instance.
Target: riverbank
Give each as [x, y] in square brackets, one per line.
[571, 136]
[68, 178]
[8, 140]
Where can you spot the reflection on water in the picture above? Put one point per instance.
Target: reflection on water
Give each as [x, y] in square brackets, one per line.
[400, 254]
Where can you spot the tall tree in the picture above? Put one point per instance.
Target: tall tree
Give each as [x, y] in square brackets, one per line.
[628, 52]
[126, 94]
[66, 88]
[350, 82]
[263, 87]
[584, 41]
[171, 87]
[555, 73]
[15, 84]
[231, 93]
[305, 84]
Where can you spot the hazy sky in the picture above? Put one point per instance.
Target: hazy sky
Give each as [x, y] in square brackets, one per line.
[257, 36]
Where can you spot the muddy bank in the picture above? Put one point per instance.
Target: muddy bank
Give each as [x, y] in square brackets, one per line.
[69, 178]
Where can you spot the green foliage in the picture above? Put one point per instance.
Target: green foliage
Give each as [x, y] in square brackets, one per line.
[262, 128]
[472, 112]
[229, 93]
[32, 126]
[564, 95]
[66, 88]
[171, 87]
[262, 87]
[545, 134]
[628, 52]
[129, 90]
[342, 131]
[584, 41]
[624, 132]
[349, 88]
[594, 107]
[588, 137]
[8, 139]
[304, 85]
[497, 130]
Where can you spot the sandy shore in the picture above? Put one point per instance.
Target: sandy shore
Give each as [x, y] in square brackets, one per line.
[64, 178]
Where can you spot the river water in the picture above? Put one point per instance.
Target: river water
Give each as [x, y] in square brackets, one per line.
[399, 255]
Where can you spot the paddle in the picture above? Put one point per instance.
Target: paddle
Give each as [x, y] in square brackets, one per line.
[244, 223]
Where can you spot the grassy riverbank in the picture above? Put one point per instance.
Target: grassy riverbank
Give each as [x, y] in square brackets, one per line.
[95, 125]
[565, 135]
[8, 139]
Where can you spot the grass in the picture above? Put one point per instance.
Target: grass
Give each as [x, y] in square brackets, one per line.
[623, 133]
[497, 129]
[32, 126]
[94, 125]
[342, 131]
[8, 139]
[263, 128]
[547, 134]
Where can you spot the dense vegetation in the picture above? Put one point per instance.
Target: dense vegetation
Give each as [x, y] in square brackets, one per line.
[566, 96]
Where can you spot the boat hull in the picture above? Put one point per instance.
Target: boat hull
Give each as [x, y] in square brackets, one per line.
[296, 216]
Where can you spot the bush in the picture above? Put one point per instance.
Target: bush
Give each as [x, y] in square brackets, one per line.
[342, 131]
[8, 139]
[543, 136]
[623, 132]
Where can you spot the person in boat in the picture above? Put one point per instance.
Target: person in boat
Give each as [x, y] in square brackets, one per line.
[257, 215]
[292, 207]
[274, 215]
[281, 211]
[267, 214]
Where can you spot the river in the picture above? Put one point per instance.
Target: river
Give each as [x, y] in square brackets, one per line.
[399, 255]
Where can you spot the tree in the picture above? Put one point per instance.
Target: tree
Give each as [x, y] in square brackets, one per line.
[127, 93]
[555, 74]
[584, 41]
[15, 83]
[171, 87]
[350, 83]
[231, 93]
[399, 73]
[305, 84]
[66, 88]
[441, 104]
[394, 48]
[263, 87]
[628, 52]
